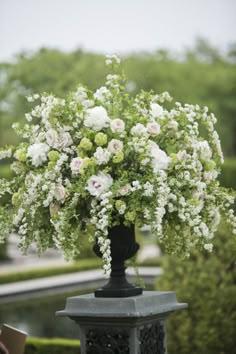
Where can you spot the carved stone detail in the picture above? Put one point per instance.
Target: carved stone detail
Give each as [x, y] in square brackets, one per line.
[107, 341]
[152, 339]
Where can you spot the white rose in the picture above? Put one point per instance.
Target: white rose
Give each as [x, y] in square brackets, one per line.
[173, 124]
[156, 110]
[138, 129]
[115, 145]
[76, 165]
[99, 184]
[153, 128]
[96, 118]
[38, 153]
[125, 189]
[52, 137]
[160, 160]
[60, 193]
[117, 125]
[102, 155]
[64, 141]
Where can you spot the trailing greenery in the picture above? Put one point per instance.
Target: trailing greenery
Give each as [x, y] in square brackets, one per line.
[208, 284]
[52, 346]
[84, 264]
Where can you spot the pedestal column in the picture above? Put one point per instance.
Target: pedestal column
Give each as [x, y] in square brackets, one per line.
[132, 325]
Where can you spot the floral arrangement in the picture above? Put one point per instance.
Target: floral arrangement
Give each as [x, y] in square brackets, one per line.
[95, 160]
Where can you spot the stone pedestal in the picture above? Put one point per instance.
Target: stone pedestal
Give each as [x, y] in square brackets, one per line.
[132, 325]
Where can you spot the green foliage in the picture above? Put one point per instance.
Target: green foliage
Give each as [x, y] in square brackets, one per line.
[203, 76]
[82, 265]
[208, 284]
[52, 346]
[228, 174]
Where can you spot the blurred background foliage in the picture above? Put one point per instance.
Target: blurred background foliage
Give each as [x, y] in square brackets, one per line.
[207, 282]
[200, 75]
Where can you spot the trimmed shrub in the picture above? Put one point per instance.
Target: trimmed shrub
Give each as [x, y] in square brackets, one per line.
[207, 282]
[83, 264]
[52, 346]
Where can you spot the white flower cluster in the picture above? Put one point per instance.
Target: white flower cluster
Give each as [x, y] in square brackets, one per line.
[96, 160]
[5, 154]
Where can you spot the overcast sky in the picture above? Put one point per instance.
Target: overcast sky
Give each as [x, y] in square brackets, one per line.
[113, 25]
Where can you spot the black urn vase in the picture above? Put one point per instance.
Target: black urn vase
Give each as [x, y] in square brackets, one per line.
[123, 247]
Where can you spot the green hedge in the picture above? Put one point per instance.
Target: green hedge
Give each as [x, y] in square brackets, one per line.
[84, 264]
[228, 174]
[207, 282]
[52, 346]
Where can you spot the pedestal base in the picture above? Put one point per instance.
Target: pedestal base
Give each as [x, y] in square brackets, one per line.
[124, 292]
[133, 325]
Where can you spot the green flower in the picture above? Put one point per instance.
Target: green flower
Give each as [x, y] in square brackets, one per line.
[210, 165]
[21, 155]
[53, 155]
[118, 157]
[85, 144]
[86, 163]
[16, 199]
[100, 139]
[130, 216]
[51, 165]
[119, 204]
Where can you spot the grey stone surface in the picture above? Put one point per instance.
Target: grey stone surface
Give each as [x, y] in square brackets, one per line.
[148, 304]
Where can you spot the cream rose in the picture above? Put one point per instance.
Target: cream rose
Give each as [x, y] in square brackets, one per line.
[153, 128]
[115, 145]
[117, 125]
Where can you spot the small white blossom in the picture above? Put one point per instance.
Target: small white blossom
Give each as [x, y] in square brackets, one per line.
[102, 155]
[208, 247]
[138, 129]
[28, 117]
[112, 58]
[5, 154]
[148, 189]
[38, 153]
[102, 93]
